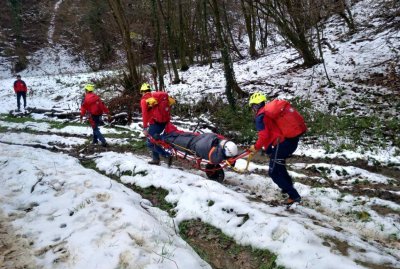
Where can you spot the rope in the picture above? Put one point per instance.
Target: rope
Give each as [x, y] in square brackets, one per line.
[276, 154]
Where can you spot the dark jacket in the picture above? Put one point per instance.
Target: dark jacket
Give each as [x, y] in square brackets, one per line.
[205, 145]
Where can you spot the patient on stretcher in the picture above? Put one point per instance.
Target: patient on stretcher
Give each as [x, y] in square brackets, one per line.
[209, 146]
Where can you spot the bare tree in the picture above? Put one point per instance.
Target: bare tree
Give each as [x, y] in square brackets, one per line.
[342, 8]
[294, 21]
[171, 41]
[182, 50]
[133, 81]
[229, 31]
[16, 11]
[202, 34]
[231, 86]
[250, 22]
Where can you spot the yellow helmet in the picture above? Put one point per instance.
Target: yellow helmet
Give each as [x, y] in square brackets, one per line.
[89, 87]
[257, 98]
[145, 87]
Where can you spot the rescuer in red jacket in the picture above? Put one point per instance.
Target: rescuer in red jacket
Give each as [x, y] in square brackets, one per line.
[93, 107]
[20, 89]
[155, 117]
[276, 145]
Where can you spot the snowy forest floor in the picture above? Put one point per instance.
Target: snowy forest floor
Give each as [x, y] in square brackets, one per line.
[341, 195]
[68, 204]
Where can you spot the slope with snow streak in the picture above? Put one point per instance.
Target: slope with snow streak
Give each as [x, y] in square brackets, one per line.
[76, 218]
[323, 232]
[300, 240]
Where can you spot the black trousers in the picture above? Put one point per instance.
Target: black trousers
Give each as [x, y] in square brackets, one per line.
[19, 94]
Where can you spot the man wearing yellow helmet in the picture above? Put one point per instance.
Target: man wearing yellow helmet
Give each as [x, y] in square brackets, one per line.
[94, 108]
[156, 114]
[277, 146]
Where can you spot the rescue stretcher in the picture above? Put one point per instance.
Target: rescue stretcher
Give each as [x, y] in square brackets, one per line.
[213, 171]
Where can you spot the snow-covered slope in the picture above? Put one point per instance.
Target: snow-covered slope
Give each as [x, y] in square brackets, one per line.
[74, 217]
[350, 59]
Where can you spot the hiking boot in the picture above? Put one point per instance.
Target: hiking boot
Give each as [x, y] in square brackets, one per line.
[104, 145]
[289, 201]
[169, 160]
[154, 162]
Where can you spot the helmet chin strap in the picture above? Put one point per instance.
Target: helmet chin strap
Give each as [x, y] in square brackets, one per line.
[223, 145]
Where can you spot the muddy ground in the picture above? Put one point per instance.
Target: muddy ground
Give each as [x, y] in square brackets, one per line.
[15, 249]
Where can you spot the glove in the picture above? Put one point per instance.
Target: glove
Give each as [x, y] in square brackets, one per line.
[145, 131]
[80, 119]
[109, 118]
[253, 149]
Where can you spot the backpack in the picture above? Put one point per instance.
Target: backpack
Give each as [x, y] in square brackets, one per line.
[93, 104]
[162, 106]
[288, 119]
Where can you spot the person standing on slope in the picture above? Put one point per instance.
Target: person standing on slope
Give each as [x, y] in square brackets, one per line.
[279, 128]
[20, 89]
[156, 115]
[94, 108]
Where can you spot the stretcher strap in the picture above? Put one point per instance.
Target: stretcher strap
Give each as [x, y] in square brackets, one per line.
[186, 150]
[183, 148]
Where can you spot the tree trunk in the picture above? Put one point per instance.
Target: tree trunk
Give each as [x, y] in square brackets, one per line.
[348, 17]
[319, 33]
[293, 23]
[134, 77]
[157, 42]
[16, 9]
[207, 38]
[170, 37]
[182, 51]
[229, 31]
[249, 18]
[231, 84]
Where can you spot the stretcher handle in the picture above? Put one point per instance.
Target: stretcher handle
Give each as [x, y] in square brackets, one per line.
[241, 155]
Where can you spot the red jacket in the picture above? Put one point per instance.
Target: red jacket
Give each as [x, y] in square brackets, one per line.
[150, 115]
[20, 86]
[268, 132]
[171, 128]
[93, 104]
